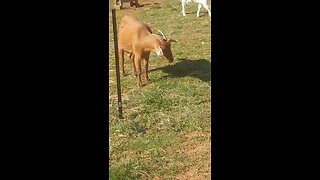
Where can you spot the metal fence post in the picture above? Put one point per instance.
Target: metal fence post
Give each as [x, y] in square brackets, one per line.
[115, 39]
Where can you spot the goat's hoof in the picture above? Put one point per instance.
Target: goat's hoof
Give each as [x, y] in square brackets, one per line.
[139, 84]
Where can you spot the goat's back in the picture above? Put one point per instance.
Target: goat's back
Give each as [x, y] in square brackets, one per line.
[131, 30]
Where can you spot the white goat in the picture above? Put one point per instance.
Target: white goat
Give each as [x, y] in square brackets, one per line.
[201, 3]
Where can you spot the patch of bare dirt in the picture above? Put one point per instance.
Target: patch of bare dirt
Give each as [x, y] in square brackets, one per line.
[193, 174]
[173, 94]
[150, 1]
[113, 99]
[201, 153]
[126, 5]
[156, 178]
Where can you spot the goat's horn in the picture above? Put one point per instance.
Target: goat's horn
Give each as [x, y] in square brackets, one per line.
[162, 34]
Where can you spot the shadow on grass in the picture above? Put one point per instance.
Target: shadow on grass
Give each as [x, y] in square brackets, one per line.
[200, 68]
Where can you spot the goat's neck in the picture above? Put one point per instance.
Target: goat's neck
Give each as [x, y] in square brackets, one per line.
[151, 42]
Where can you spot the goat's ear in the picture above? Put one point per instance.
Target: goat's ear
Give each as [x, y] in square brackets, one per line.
[172, 40]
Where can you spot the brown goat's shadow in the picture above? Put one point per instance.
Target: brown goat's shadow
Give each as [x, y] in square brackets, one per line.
[200, 69]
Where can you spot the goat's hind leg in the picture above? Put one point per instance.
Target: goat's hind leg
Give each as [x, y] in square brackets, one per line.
[207, 8]
[199, 8]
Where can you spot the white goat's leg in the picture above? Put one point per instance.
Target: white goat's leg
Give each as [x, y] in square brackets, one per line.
[183, 3]
[198, 12]
[207, 8]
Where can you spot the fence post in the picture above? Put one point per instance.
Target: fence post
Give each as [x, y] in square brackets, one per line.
[115, 39]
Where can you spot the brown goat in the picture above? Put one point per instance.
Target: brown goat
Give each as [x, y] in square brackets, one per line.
[136, 38]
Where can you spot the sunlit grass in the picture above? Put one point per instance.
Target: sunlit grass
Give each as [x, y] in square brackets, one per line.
[158, 119]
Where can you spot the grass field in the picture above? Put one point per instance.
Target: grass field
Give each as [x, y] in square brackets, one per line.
[166, 130]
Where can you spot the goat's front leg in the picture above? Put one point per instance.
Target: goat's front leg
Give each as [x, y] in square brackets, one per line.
[136, 4]
[122, 61]
[134, 72]
[146, 61]
[183, 3]
[199, 8]
[137, 62]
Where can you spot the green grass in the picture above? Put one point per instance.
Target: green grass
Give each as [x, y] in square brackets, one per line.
[169, 118]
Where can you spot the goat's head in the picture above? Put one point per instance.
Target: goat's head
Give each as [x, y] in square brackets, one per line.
[164, 47]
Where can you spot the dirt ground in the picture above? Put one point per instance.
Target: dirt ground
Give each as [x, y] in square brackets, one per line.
[150, 1]
[194, 149]
[142, 3]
